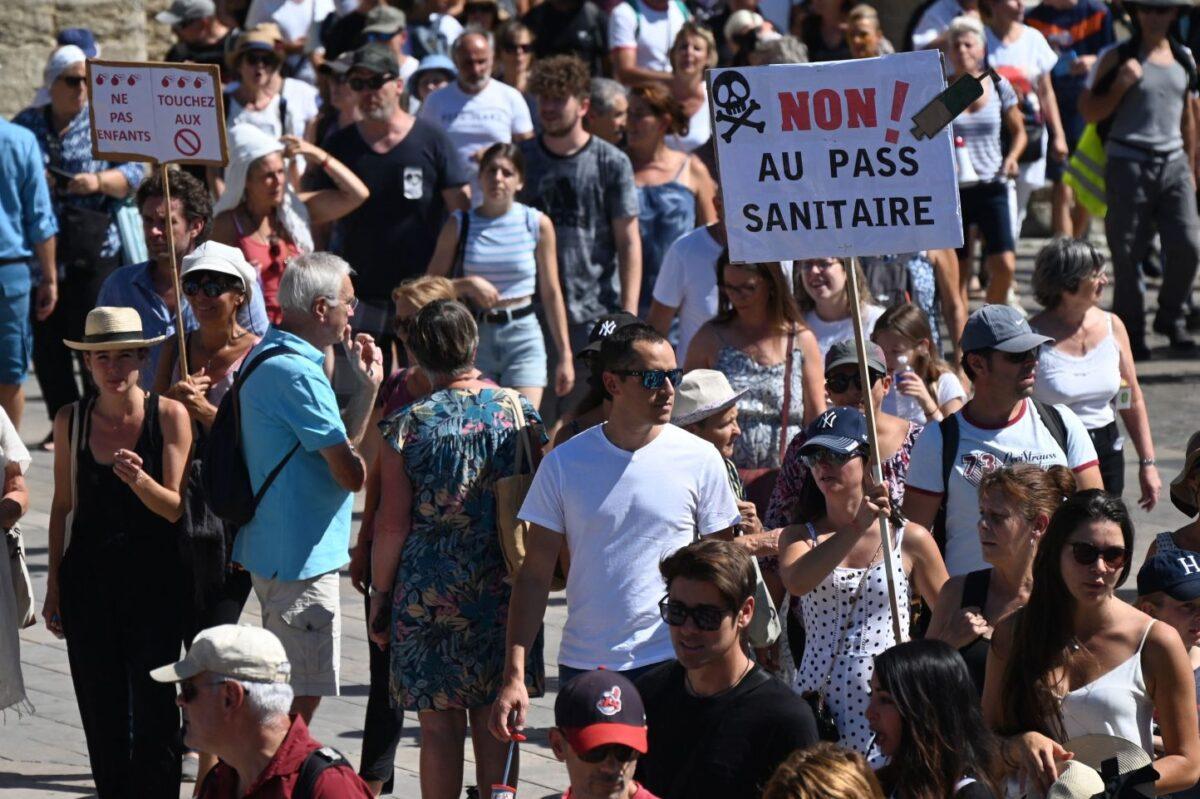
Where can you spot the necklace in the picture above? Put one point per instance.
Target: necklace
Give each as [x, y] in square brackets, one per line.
[692, 689]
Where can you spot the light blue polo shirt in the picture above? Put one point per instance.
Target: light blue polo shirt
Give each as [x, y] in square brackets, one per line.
[302, 526]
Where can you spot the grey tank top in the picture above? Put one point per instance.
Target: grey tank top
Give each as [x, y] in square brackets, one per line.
[1150, 113]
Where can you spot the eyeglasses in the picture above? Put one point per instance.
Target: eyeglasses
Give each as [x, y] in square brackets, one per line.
[212, 287]
[74, 81]
[809, 266]
[827, 456]
[1086, 554]
[652, 378]
[622, 754]
[742, 289]
[374, 83]
[838, 384]
[351, 303]
[516, 48]
[706, 617]
[267, 60]
[188, 690]
[1022, 357]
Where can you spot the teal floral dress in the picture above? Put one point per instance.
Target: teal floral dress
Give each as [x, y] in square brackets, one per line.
[450, 602]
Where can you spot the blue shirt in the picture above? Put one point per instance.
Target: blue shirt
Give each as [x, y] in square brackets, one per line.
[302, 525]
[26, 216]
[76, 157]
[133, 287]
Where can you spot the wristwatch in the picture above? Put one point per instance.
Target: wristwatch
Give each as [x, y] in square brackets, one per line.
[1147, 461]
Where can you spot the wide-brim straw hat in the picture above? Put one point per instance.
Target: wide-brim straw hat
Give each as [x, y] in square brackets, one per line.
[1183, 493]
[1110, 755]
[1075, 781]
[113, 329]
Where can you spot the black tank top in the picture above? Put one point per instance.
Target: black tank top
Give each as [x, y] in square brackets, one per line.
[108, 515]
[975, 590]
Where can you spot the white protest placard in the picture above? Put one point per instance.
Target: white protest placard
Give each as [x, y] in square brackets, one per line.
[817, 160]
[165, 113]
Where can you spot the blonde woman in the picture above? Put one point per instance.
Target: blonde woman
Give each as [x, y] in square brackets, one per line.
[694, 51]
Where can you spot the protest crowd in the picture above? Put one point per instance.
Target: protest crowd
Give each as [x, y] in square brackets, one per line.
[470, 259]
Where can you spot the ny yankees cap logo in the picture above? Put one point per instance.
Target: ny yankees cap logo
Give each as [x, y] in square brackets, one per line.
[607, 328]
[827, 420]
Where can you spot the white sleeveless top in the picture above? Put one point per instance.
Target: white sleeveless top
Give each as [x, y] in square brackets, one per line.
[1086, 384]
[1116, 703]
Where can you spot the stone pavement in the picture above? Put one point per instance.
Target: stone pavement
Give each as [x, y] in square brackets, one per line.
[44, 755]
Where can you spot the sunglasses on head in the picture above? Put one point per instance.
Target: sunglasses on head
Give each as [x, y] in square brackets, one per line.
[621, 752]
[821, 455]
[517, 48]
[374, 83]
[188, 690]
[1086, 554]
[211, 286]
[706, 617]
[262, 60]
[841, 383]
[652, 378]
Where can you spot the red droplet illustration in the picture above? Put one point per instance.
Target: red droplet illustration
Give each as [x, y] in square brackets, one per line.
[99, 80]
[182, 82]
[198, 83]
[132, 79]
[166, 82]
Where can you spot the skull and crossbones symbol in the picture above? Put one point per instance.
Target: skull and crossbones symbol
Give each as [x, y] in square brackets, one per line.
[731, 93]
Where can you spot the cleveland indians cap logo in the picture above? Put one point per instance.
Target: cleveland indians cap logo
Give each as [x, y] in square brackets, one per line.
[609, 702]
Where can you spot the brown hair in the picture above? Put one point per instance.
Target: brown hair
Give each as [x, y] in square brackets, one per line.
[823, 771]
[421, 291]
[663, 106]
[560, 76]
[443, 338]
[807, 303]
[508, 32]
[722, 563]
[781, 304]
[1031, 489]
[694, 30]
[186, 188]
[507, 150]
[910, 322]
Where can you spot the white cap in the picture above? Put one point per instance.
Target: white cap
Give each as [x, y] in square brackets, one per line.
[213, 256]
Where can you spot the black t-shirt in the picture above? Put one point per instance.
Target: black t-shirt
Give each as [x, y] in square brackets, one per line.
[724, 747]
[343, 34]
[392, 235]
[214, 53]
[581, 32]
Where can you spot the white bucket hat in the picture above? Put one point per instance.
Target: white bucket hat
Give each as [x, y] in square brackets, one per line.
[213, 256]
[700, 394]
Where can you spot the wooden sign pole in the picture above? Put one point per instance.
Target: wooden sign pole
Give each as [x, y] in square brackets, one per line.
[179, 330]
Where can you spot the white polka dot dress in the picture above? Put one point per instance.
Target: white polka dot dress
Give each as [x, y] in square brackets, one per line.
[826, 610]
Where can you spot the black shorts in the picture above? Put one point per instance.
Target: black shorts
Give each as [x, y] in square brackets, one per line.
[985, 205]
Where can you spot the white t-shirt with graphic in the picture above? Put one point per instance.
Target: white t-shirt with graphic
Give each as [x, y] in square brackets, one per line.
[650, 31]
[980, 450]
[1023, 63]
[623, 512]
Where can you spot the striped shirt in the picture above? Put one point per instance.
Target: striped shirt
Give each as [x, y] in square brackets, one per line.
[501, 250]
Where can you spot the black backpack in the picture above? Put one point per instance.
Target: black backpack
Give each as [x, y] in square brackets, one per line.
[223, 472]
[1131, 48]
[1051, 418]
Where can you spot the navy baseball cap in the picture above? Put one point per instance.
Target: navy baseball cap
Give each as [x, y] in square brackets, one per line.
[599, 708]
[605, 326]
[1175, 572]
[839, 429]
[1000, 327]
[83, 38]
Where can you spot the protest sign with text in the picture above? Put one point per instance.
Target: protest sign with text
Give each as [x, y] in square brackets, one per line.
[165, 113]
[817, 160]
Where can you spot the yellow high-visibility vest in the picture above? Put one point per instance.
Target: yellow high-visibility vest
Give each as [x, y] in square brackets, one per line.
[1085, 172]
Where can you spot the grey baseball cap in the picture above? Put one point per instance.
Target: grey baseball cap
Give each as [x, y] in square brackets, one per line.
[1000, 327]
[182, 11]
[385, 20]
[845, 351]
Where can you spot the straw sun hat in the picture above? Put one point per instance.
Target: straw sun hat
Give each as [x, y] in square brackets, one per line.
[113, 329]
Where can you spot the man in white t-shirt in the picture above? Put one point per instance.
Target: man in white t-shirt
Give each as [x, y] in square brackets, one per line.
[477, 111]
[640, 35]
[622, 495]
[929, 33]
[999, 425]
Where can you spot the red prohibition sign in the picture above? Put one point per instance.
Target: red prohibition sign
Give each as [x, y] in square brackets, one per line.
[187, 141]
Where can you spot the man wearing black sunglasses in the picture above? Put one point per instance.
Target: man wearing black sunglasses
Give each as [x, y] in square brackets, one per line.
[1000, 424]
[599, 732]
[719, 723]
[621, 496]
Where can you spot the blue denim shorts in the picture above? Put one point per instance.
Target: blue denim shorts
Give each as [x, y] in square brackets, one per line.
[513, 353]
[16, 330]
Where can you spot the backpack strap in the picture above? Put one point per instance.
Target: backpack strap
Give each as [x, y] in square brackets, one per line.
[949, 430]
[283, 110]
[242, 376]
[1053, 421]
[315, 764]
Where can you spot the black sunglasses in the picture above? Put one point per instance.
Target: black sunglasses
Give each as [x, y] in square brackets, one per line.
[212, 287]
[821, 455]
[621, 752]
[74, 81]
[1023, 357]
[188, 690]
[706, 617]
[517, 48]
[262, 60]
[652, 378]
[1086, 554]
[840, 383]
[374, 83]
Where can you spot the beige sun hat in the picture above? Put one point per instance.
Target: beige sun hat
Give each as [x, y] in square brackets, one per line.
[1116, 759]
[1076, 781]
[233, 650]
[113, 329]
[1183, 492]
[700, 394]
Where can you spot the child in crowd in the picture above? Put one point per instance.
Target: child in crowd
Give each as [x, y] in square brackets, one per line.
[924, 387]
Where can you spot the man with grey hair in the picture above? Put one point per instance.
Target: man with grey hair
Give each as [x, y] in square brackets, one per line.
[608, 111]
[477, 111]
[234, 692]
[298, 446]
